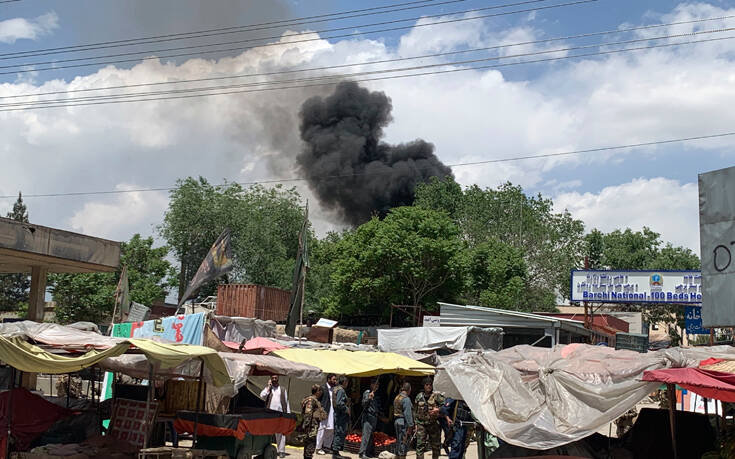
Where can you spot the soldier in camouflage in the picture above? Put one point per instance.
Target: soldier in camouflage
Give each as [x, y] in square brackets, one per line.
[428, 429]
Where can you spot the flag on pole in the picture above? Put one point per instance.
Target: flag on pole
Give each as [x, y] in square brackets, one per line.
[217, 263]
[122, 295]
[299, 277]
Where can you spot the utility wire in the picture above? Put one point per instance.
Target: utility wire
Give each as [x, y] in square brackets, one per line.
[243, 48]
[462, 164]
[100, 100]
[383, 61]
[221, 30]
[355, 74]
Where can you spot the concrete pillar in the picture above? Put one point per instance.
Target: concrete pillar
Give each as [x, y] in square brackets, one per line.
[37, 295]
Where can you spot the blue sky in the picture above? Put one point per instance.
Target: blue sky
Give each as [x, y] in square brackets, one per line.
[469, 116]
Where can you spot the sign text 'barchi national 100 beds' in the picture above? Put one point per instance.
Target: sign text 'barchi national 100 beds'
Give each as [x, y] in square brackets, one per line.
[636, 286]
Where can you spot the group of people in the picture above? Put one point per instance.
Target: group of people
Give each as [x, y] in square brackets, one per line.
[326, 419]
[434, 415]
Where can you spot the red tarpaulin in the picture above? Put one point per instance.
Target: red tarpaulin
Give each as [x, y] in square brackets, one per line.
[29, 416]
[707, 383]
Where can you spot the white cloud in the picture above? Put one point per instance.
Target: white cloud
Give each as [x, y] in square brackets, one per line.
[666, 206]
[118, 218]
[469, 116]
[15, 29]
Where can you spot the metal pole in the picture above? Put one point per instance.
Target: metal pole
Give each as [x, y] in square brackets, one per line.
[672, 415]
[199, 401]
[148, 405]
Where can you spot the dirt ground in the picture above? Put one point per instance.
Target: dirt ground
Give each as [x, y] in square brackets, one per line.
[295, 453]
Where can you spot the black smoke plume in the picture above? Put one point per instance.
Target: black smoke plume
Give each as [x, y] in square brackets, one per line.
[347, 165]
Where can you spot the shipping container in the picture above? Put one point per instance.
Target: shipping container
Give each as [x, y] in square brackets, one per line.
[257, 301]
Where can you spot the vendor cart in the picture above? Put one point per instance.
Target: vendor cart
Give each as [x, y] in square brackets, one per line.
[249, 432]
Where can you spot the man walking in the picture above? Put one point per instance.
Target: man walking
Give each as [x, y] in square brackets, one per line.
[463, 426]
[369, 419]
[341, 417]
[428, 430]
[325, 435]
[403, 415]
[276, 399]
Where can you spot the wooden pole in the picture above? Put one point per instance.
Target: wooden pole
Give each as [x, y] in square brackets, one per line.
[672, 415]
[711, 336]
[148, 406]
[301, 311]
[199, 402]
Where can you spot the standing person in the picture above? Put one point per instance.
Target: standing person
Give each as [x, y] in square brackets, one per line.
[403, 415]
[462, 427]
[326, 427]
[312, 413]
[428, 430]
[369, 419]
[276, 399]
[341, 416]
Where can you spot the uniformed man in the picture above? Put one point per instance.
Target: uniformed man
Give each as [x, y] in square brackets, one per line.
[369, 419]
[341, 417]
[403, 420]
[462, 426]
[428, 430]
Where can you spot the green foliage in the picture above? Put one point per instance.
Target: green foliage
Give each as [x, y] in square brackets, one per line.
[412, 257]
[495, 275]
[90, 297]
[14, 287]
[264, 224]
[551, 242]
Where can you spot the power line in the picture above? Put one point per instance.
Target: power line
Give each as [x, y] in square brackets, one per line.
[462, 164]
[8, 1]
[351, 75]
[223, 30]
[100, 100]
[243, 48]
[383, 61]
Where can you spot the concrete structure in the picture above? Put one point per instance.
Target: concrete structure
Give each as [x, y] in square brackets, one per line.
[39, 250]
[518, 327]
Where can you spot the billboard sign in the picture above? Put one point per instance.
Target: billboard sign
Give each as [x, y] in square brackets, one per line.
[604, 286]
[717, 241]
[693, 319]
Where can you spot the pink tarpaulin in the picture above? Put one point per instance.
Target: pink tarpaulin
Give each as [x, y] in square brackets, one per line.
[258, 345]
[707, 383]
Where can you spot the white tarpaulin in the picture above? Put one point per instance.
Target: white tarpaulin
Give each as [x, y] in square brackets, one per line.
[421, 338]
[72, 336]
[543, 398]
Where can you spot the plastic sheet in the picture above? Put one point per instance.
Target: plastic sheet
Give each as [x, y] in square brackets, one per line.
[542, 398]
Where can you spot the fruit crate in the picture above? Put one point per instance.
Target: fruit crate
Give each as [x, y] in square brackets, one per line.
[354, 448]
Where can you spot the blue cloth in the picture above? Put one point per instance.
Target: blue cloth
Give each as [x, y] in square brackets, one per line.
[456, 448]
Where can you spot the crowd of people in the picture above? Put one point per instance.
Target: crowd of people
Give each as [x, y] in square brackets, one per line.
[327, 411]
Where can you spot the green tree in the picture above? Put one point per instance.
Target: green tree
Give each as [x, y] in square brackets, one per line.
[551, 242]
[90, 297]
[14, 287]
[264, 224]
[412, 257]
[495, 275]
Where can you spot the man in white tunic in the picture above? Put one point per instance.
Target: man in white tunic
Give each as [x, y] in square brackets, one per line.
[276, 398]
[325, 435]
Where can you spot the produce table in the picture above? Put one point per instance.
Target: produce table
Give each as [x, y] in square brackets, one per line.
[246, 433]
[381, 442]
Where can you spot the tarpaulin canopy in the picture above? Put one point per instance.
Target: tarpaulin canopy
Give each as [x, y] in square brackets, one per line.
[357, 363]
[710, 384]
[68, 337]
[32, 359]
[271, 365]
[542, 398]
[433, 338]
[261, 345]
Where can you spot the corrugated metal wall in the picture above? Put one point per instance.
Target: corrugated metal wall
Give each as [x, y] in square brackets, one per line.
[245, 300]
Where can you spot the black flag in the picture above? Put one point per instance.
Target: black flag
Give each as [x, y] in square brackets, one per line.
[217, 262]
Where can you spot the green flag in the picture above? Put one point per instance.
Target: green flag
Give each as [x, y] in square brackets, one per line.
[299, 277]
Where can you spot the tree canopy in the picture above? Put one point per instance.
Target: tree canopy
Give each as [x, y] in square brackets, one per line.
[90, 296]
[14, 287]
